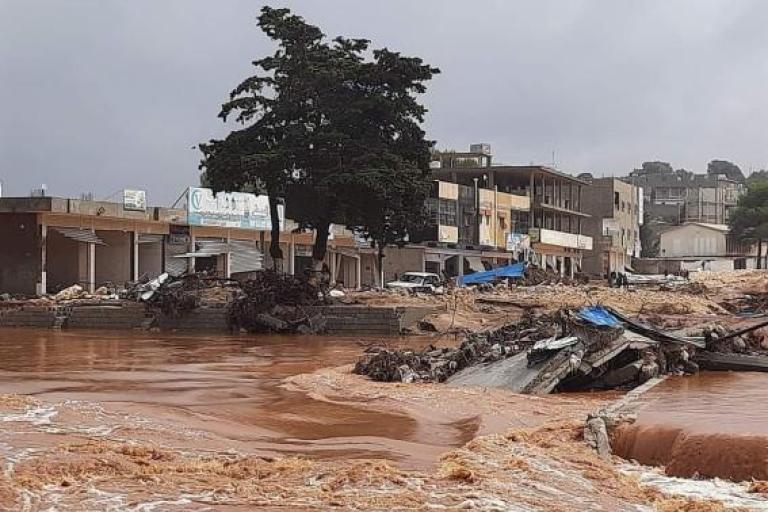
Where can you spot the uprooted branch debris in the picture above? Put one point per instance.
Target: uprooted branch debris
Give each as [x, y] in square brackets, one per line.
[174, 297]
[276, 302]
[268, 302]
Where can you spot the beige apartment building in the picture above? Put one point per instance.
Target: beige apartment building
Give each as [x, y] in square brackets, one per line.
[616, 213]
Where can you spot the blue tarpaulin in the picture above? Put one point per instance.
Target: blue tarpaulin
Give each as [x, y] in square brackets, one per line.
[597, 315]
[489, 276]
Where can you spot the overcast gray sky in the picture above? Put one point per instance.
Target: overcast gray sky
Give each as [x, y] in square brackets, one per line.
[97, 95]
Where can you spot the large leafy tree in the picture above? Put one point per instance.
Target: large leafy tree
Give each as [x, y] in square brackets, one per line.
[760, 175]
[246, 161]
[326, 120]
[749, 220]
[655, 167]
[729, 169]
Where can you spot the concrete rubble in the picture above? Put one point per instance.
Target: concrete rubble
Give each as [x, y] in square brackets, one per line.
[593, 347]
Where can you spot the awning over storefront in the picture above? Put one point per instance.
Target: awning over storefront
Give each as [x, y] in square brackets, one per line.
[245, 256]
[80, 235]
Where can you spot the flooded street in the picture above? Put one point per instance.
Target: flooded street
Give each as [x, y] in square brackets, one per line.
[227, 387]
[115, 421]
[713, 424]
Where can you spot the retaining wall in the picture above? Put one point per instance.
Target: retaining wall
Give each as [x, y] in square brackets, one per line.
[340, 320]
[204, 318]
[128, 315]
[28, 316]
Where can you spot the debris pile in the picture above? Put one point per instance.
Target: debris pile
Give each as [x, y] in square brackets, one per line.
[276, 302]
[438, 364]
[535, 276]
[174, 297]
[746, 305]
[588, 348]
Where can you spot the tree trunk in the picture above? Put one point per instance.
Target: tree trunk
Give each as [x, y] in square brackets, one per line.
[759, 254]
[320, 248]
[380, 263]
[274, 240]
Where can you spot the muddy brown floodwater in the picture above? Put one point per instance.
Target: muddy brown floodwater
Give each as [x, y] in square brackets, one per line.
[713, 424]
[228, 387]
[137, 421]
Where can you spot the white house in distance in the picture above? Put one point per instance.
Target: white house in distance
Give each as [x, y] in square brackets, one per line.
[702, 246]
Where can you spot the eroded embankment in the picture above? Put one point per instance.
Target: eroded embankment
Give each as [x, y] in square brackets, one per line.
[709, 425]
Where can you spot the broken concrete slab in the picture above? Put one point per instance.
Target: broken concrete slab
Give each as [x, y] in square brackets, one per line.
[550, 374]
[601, 357]
[512, 373]
[596, 436]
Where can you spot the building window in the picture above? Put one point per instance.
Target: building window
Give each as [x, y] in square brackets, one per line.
[518, 222]
[447, 212]
[616, 200]
[432, 210]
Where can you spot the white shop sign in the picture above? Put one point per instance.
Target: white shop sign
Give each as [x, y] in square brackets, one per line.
[135, 200]
[230, 209]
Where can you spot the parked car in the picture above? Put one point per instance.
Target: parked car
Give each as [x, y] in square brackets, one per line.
[424, 282]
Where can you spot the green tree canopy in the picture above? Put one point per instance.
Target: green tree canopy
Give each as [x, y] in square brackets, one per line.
[761, 175]
[749, 220]
[655, 167]
[729, 169]
[327, 120]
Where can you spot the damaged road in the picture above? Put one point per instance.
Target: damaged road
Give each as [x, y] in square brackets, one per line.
[594, 347]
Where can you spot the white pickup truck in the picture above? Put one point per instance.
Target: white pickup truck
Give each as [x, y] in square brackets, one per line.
[424, 282]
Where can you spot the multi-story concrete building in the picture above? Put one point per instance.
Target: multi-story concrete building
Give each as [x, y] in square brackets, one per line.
[681, 196]
[616, 216]
[469, 229]
[554, 220]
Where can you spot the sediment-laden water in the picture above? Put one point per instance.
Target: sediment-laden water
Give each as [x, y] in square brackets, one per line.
[227, 387]
[714, 424]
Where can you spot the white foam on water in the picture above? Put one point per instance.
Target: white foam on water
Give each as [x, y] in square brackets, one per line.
[35, 415]
[13, 456]
[731, 494]
[115, 502]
